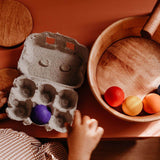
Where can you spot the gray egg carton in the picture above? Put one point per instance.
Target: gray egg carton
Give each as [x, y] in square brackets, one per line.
[52, 65]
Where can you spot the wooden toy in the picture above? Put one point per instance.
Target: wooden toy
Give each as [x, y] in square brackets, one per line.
[122, 57]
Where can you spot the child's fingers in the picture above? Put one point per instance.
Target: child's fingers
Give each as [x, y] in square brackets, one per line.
[77, 118]
[3, 100]
[68, 126]
[93, 124]
[85, 119]
[100, 131]
[3, 115]
[1, 105]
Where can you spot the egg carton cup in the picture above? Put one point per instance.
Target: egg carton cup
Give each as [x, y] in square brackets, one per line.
[52, 66]
[27, 92]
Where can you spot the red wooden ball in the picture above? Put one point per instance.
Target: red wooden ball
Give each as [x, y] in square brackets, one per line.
[114, 96]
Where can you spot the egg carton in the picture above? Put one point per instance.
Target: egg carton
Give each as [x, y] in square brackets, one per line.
[52, 65]
[54, 57]
[28, 92]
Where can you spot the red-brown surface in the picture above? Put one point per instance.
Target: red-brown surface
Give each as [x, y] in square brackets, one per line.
[84, 21]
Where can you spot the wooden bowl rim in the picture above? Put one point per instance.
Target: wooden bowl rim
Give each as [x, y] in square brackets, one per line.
[147, 118]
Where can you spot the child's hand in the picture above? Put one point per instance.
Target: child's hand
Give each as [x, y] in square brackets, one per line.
[83, 137]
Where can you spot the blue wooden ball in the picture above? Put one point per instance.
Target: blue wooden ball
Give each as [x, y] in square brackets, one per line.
[158, 90]
[40, 114]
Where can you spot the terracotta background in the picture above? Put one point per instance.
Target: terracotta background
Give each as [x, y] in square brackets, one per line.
[83, 20]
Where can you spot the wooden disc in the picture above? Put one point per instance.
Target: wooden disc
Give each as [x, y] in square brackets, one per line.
[15, 23]
[3, 116]
[7, 75]
[133, 64]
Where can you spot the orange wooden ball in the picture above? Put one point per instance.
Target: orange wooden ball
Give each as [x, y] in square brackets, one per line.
[151, 103]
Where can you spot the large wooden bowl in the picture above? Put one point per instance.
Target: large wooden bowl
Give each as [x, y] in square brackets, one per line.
[121, 29]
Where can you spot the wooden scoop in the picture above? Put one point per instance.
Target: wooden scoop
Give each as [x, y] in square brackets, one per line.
[132, 63]
[122, 57]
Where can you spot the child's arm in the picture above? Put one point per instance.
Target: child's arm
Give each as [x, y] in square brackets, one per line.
[83, 137]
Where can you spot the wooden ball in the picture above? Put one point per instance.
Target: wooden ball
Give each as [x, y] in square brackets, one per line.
[114, 96]
[132, 105]
[151, 103]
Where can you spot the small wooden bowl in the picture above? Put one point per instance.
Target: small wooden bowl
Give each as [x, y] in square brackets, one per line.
[123, 28]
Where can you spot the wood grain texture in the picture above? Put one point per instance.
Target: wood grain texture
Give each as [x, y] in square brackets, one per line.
[132, 64]
[7, 75]
[152, 23]
[129, 77]
[15, 23]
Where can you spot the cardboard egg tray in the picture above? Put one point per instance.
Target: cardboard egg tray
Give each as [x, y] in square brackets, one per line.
[52, 65]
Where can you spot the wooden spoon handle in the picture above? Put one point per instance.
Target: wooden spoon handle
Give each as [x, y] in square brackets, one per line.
[152, 23]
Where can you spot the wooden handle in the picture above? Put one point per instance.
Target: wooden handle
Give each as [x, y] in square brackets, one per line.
[152, 23]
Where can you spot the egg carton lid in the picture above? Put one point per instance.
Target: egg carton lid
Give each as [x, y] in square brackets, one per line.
[55, 57]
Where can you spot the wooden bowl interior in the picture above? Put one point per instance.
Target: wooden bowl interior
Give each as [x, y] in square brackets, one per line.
[121, 29]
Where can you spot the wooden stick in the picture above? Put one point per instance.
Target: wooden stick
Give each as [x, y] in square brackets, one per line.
[152, 23]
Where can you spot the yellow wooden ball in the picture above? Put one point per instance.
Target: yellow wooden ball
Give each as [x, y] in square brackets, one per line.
[132, 105]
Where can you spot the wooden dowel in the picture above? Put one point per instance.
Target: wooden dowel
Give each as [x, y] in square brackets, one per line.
[152, 23]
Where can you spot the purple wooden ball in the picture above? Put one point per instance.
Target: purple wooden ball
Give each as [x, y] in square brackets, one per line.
[158, 90]
[40, 114]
